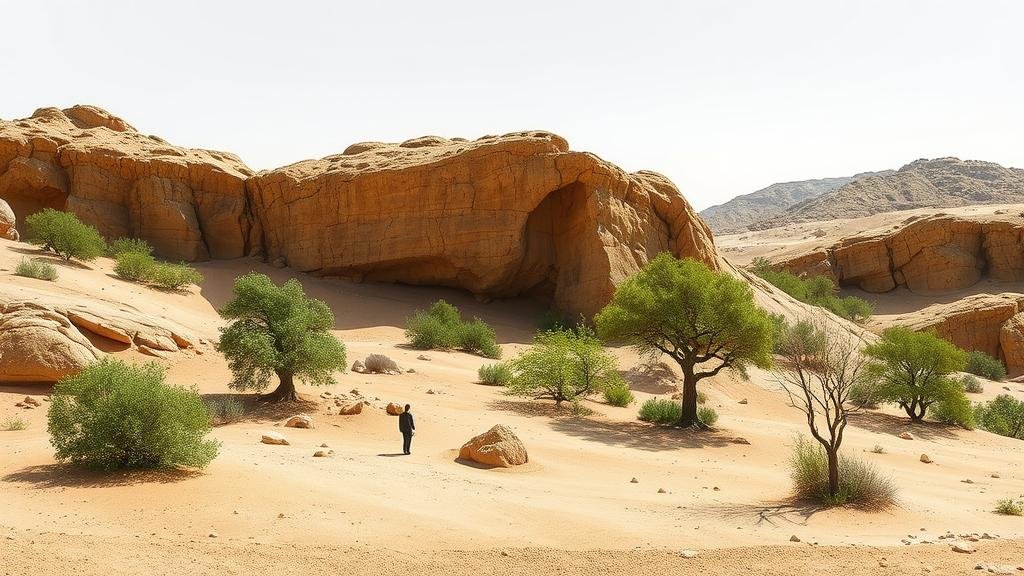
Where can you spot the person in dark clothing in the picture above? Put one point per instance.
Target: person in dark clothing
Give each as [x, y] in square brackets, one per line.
[407, 427]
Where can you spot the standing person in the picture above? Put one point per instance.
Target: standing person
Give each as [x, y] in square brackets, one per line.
[407, 427]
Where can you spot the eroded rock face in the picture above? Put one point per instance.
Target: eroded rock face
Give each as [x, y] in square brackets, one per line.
[986, 322]
[39, 344]
[189, 204]
[7, 222]
[498, 216]
[499, 446]
[934, 254]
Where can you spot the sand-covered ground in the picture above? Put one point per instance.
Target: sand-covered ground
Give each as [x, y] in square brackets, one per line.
[571, 510]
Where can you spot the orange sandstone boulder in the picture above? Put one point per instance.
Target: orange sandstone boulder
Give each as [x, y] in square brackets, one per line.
[394, 409]
[498, 216]
[499, 446]
[189, 204]
[39, 344]
[7, 222]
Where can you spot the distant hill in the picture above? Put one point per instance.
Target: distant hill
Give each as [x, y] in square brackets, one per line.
[738, 214]
[938, 183]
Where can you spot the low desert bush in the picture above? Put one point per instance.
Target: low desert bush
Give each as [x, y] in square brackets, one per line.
[955, 409]
[1003, 415]
[134, 266]
[864, 394]
[225, 411]
[1010, 507]
[981, 364]
[878, 449]
[142, 267]
[498, 374]
[860, 484]
[380, 364]
[660, 411]
[129, 245]
[39, 269]
[442, 328]
[115, 415]
[65, 234]
[707, 415]
[618, 395]
[578, 410]
[13, 423]
[702, 398]
[815, 290]
[972, 384]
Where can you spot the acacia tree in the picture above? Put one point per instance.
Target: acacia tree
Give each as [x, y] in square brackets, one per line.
[820, 366]
[278, 330]
[912, 369]
[704, 320]
[563, 365]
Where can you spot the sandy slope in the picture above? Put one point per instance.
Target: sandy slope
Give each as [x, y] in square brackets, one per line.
[571, 510]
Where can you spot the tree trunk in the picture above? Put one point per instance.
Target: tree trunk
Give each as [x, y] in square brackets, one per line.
[285, 391]
[833, 472]
[915, 410]
[688, 416]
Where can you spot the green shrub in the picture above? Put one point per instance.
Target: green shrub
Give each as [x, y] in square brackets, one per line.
[818, 291]
[174, 276]
[115, 415]
[1010, 507]
[13, 423]
[498, 374]
[860, 483]
[477, 337]
[134, 266]
[552, 320]
[442, 328]
[865, 394]
[129, 245]
[878, 449]
[578, 410]
[225, 411]
[660, 411]
[564, 365]
[35, 268]
[618, 395]
[955, 409]
[972, 384]
[1003, 415]
[779, 328]
[981, 364]
[707, 415]
[65, 234]
[380, 364]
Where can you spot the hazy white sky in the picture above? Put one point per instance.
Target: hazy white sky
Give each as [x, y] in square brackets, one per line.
[723, 97]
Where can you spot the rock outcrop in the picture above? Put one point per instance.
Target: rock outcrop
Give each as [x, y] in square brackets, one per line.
[933, 254]
[990, 323]
[8, 222]
[39, 344]
[499, 446]
[937, 183]
[498, 216]
[189, 204]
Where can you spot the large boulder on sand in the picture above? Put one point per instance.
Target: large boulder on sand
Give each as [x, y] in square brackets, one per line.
[39, 344]
[497, 216]
[299, 421]
[7, 222]
[394, 409]
[499, 446]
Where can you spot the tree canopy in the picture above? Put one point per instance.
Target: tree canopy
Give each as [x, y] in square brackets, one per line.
[564, 365]
[278, 330]
[912, 369]
[704, 320]
[65, 234]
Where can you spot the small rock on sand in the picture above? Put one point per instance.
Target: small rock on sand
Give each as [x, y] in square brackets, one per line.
[926, 459]
[963, 548]
[794, 538]
[274, 438]
[906, 435]
[688, 553]
[299, 421]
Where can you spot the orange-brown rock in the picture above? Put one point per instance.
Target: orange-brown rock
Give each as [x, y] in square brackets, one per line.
[39, 344]
[938, 253]
[498, 216]
[499, 446]
[393, 409]
[7, 222]
[990, 323]
[189, 204]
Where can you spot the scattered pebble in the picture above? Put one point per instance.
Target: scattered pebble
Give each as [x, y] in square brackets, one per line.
[661, 491]
[926, 459]
[688, 553]
[634, 481]
[794, 538]
[906, 436]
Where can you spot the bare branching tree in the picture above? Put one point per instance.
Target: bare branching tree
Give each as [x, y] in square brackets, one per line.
[820, 365]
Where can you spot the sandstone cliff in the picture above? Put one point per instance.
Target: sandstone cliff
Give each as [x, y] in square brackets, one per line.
[498, 216]
[189, 204]
[929, 254]
[938, 183]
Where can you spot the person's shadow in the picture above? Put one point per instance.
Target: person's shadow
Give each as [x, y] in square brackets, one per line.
[391, 455]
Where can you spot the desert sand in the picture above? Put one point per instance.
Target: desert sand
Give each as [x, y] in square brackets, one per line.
[571, 510]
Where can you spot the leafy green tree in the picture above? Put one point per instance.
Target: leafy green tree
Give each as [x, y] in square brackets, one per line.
[564, 365]
[115, 415]
[912, 369]
[278, 330]
[1003, 415]
[704, 320]
[65, 234]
